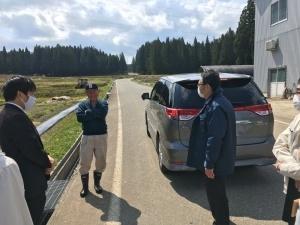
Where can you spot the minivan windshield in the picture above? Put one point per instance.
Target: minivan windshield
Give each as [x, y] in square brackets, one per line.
[240, 92]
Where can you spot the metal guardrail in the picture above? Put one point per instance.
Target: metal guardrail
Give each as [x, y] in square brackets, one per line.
[42, 128]
[62, 172]
[65, 166]
[59, 179]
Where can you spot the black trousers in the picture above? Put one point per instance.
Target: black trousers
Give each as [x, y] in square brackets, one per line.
[291, 195]
[36, 206]
[217, 199]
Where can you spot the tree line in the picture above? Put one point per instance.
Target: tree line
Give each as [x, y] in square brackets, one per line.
[156, 57]
[61, 60]
[177, 56]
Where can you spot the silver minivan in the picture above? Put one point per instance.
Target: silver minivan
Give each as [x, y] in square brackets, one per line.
[174, 103]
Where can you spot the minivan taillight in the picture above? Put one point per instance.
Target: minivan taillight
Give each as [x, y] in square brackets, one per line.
[182, 114]
[262, 110]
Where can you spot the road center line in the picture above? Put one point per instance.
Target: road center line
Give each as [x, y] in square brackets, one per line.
[279, 121]
[114, 206]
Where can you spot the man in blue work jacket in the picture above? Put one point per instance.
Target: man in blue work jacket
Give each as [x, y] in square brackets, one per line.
[213, 144]
[91, 113]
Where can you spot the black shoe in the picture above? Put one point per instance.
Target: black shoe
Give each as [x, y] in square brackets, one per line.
[97, 178]
[85, 185]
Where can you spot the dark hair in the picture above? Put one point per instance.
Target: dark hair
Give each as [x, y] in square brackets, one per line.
[212, 78]
[15, 84]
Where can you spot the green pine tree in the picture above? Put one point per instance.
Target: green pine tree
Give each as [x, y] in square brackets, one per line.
[244, 42]
[123, 65]
[227, 53]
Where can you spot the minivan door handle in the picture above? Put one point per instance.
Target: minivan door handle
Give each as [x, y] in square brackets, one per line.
[243, 122]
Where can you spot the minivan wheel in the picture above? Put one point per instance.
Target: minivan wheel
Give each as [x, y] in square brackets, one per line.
[147, 129]
[162, 168]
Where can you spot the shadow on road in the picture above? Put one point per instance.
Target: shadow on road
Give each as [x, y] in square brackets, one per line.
[253, 192]
[128, 215]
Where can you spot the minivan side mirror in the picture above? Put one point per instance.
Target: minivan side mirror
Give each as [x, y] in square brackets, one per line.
[145, 96]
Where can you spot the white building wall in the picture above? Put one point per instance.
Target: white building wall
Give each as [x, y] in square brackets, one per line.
[288, 34]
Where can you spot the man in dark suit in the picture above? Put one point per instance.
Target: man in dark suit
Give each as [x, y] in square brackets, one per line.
[20, 140]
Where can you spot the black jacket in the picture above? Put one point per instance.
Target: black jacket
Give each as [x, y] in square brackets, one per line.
[213, 137]
[20, 140]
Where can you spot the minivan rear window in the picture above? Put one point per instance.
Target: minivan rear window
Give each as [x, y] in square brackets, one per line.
[240, 92]
[186, 96]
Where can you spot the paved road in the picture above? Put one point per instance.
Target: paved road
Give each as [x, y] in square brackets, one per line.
[137, 193]
[284, 112]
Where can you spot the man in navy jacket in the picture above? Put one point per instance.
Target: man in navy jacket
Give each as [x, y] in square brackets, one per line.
[91, 114]
[213, 144]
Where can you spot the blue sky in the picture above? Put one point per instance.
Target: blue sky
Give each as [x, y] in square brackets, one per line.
[113, 26]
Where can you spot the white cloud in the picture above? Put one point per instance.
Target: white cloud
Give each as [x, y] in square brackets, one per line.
[135, 14]
[217, 15]
[115, 25]
[35, 23]
[120, 39]
[192, 22]
[95, 31]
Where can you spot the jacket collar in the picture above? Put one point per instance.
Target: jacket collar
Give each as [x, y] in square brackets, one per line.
[97, 103]
[216, 93]
[15, 106]
[219, 91]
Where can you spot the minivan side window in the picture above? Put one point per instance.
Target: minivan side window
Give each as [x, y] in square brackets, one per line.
[160, 93]
[166, 93]
[154, 96]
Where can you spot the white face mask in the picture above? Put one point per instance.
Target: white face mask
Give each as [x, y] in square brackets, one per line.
[30, 103]
[199, 93]
[296, 102]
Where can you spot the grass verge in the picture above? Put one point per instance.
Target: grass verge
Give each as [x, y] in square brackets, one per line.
[59, 139]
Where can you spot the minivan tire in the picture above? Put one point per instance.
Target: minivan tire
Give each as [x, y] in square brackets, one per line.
[162, 168]
[147, 128]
